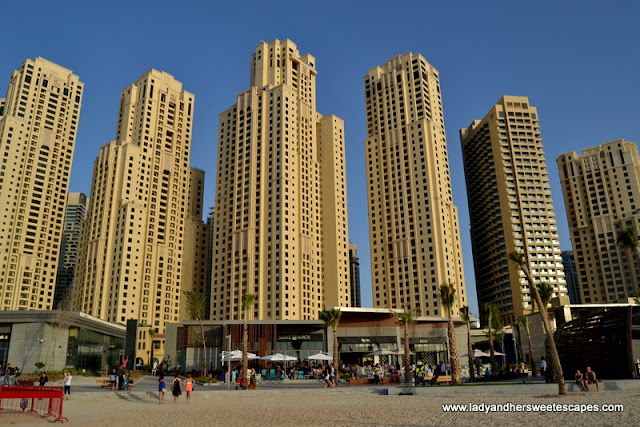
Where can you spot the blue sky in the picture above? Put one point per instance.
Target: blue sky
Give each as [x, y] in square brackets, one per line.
[577, 61]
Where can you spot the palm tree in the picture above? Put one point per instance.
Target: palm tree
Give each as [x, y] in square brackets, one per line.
[406, 318]
[448, 300]
[196, 306]
[332, 320]
[628, 242]
[464, 313]
[522, 263]
[545, 290]
[523, 323]
[492, 313]
[247, 302]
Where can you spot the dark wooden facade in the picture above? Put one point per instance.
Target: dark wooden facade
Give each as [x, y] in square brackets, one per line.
[601, 340]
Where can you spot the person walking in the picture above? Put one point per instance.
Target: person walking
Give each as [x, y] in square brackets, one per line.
[543, 368]
[161, 386]
[16, 374]
[67, 385]
[176, 389]
[43, 379]
[188, 387]
[154, 368]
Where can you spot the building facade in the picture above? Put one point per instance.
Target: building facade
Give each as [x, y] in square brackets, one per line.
[413, 223]
[602, 197]
[74, 215]
[38, 125]
[571, 276]
[196, 263]
[354, 275]
[280, 215]
[510, 206]
[130, 264]
[361, 331]
[61, 339]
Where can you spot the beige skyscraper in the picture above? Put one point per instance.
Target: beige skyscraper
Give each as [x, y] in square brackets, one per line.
[413, 224]
[133, 241]
[602, 197]
[197, 251]
[280, 215]
[38, 125]
[510, 206]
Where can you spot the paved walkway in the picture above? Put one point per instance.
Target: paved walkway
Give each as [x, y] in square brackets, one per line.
[149, 384]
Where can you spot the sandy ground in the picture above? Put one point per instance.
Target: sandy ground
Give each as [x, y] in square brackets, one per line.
[343, 406]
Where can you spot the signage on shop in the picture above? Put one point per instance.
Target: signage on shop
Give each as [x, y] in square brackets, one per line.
[294, 337]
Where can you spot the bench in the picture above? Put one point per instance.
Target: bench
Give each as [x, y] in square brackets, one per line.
[107, 383]
[441, 379]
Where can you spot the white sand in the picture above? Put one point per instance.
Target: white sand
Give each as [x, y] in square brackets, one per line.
[343, 406]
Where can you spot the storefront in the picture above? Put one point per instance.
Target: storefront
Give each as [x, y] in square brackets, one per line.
[361, 331]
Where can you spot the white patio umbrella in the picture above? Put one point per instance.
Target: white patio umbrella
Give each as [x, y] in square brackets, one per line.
[497, 353]
[279, 357]
[382, 352]
[320, 356]
[236, 355]
[476, 354]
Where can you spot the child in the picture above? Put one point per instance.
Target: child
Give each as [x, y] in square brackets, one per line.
[161, 386]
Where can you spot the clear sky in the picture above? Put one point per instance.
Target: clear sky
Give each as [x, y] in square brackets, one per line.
[578, 62]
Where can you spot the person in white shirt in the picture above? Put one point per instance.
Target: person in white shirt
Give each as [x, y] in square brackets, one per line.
[67, 385]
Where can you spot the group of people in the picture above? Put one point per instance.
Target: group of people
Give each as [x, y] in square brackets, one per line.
[176, 388]
[120, 379]
[586, 378]
[10, 373]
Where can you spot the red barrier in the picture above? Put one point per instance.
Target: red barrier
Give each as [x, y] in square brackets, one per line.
[45, 401]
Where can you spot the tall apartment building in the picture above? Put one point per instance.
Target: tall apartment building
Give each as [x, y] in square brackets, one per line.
[132, 248]
[280, 214]
[602, 197]
[354, 275]
[38, 125]
[571, 277]
[195, 260]
[74, 215]
[510, 206]
[413, 223]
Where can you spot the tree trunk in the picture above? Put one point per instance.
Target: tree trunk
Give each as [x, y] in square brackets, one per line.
[492, 352]
[453, 353]
[245, 358]
[407, 355]
[533, 360]
[555, 359]
[472, 371]
[204, 347]
[336, 356]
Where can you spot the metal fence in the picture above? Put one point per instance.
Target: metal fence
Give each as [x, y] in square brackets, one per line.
[42, 401]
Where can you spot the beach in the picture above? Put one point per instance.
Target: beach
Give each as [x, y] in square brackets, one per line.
[342, 406]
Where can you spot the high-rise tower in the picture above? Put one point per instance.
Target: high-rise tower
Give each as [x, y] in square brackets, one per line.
[74, 215]
[602, 197]
[38, 126]
[510, 206]
[132, 245]
[280, 215]
[413, 223]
